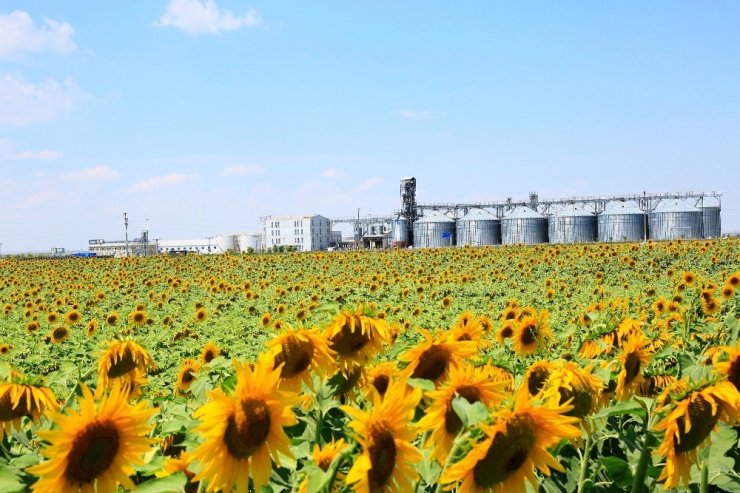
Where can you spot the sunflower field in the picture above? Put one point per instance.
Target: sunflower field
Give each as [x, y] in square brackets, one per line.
[574, 368]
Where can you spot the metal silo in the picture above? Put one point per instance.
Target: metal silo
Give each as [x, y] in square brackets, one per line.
[434, 229]
[572, 224]
[250, 240]
[523, 225]
[673, 219]
[226, 243]
[400, 232]
[622, 221]
[478, 227]
[710, 209]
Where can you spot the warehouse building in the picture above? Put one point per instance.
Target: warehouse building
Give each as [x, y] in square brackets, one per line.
[305, 233]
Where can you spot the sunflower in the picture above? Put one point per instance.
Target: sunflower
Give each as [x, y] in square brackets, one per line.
[201, 314]
[506, 330]
[20, 397]
[59, 334]
[266, 319]
[385, 435]
[568, 383]
[186, 375]
[379, 377]
[95, 448]
[467, 328]
[446, 302]
[537, 375]
[472, 384]
[728, 292]
[52, 317]
[634, 357]
[355, 338]
[138, 317]
[432, 358]
[297, 353]
[124, 363]
[530, 333]
[690, 421]
[730, 369]
[32, 327]
[92, 327]
[72, 317]
[112, 318]
[324, 456]
[5, 349]
[514, 445]
[244, 431]
[710, 306]
[209, 351]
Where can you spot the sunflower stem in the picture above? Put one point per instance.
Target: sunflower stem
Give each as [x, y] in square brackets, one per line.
[584, 463]
[704, 484]
[461, 438]
[335, 468]
[638, 483]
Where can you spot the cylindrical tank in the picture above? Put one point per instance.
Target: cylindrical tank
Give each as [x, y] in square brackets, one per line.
[400, 232]
[250, 240]
[434, 229]
[478, 227]
[674, 219]
[226, 243]
[572, 224]
[710, 211]
[622, 221]
[523, 225]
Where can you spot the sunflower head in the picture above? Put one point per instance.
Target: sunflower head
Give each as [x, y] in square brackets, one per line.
[432, 358]
[73, 317]
[59, 334]
[124, 363]
[208, 352]
[355, 338]
[730, 368]
[530, 333]
[635, 356]
[138, 317]
[297, 352]
[21, 397]
[187, 374]
[379, 377]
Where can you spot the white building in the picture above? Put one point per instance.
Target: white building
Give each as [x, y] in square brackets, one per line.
[203, 246]
[305, 233]
[117, 248]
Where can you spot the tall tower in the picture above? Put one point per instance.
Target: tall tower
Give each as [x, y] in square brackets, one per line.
[408, 204]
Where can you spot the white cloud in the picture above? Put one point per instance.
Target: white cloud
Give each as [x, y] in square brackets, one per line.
[205, 17]
[150, 184]
[243, 170]
[369, 184]
[332, 173]
[20, 34]
[9, 151]
[97, 173]
[23, 103]
[410, 114]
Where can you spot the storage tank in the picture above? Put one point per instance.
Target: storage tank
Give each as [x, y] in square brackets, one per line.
[478, 227]
[572, 224]
[227, 242]
[523, 225]
[673, 219]
[710, 211]
[250, 240]
[434, 229]
[622, 221]
[400, 232]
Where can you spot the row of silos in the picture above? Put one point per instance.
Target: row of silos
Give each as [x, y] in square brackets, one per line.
[620, 221]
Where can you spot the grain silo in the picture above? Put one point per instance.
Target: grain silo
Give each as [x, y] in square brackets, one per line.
[250, 240]
[572, 224]
[622, 221]
[434, 229]
[674, 219]
[523, 225]
[710, 208]
[478, 227]
[400, 232]
[227, 243]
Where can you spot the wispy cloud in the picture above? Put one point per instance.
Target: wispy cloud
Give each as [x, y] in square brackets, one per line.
[369, 184]
[205, 17]
[9, 151]
[23, 103]
[332, 173]
[411, 114]
[156, 182]
[244, 170]
[20, 34]
[96, 173]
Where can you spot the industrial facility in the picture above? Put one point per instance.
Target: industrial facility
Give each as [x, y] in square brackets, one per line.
[637, 217]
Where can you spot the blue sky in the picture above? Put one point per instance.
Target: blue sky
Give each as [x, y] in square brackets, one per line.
[203, 116]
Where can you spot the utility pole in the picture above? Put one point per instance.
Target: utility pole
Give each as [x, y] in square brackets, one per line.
[209, 238]
[125, 225]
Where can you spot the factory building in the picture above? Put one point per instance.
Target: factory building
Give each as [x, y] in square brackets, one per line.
[118, 248]
[305, 233]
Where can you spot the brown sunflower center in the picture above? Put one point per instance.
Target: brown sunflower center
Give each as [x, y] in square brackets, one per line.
[187, 377]
[296, 355]
[93, 450]
[529, 334]
[208, 356]
[382, 453]
[453, 423]
[348, 341]
[537, 378]
[432, 363]
[123, 365]
[465, 337]
[59, 333]
[733, 374]
[380, 382]
[702, 422]
[506, 332]
[7, 412]
[247, 428]
[582, 399]
[139, 317]
[631, 367]
[507, 452]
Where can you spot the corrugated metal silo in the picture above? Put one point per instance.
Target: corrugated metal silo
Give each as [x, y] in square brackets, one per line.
[710, 210]
[572, 224]
[674, 219]
[622, 221]
[523, 225]
[400, 232]
[478, 227]
[434, 229]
